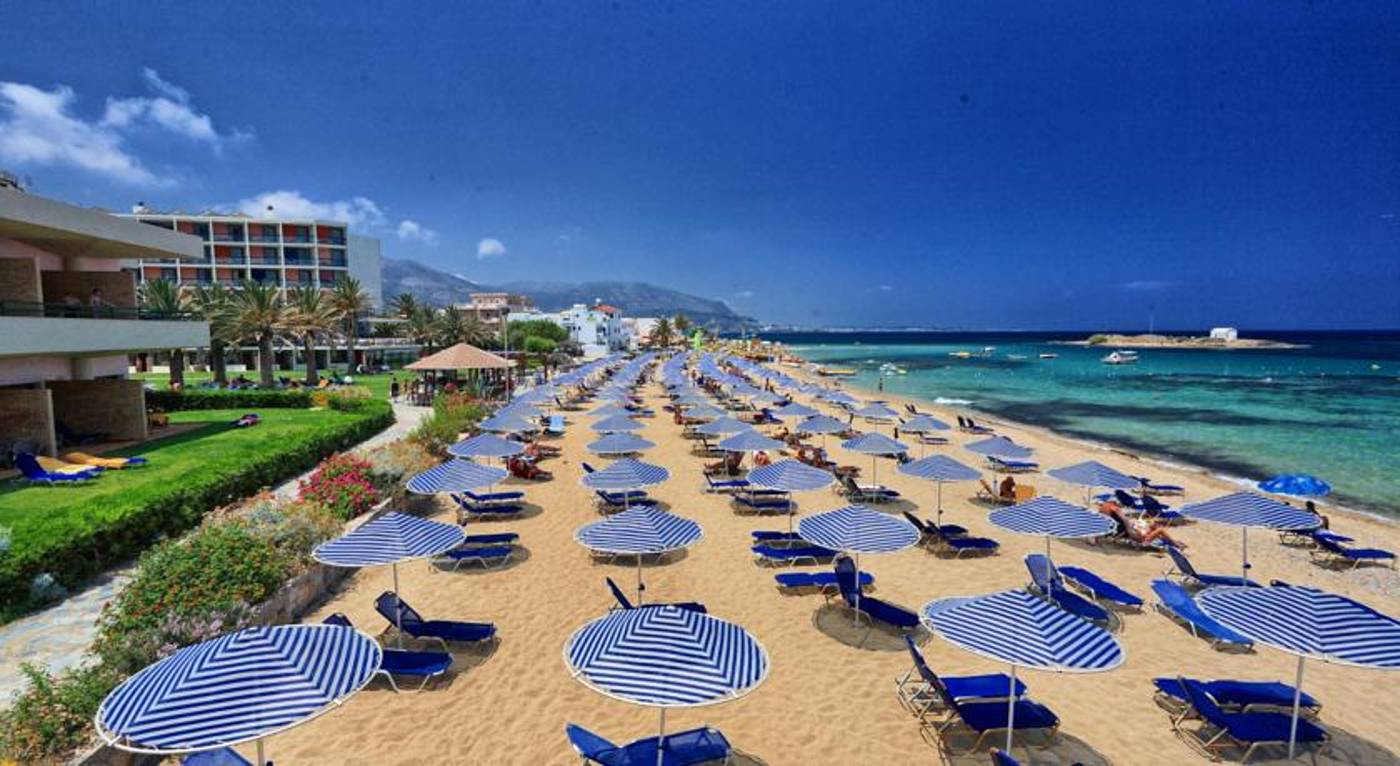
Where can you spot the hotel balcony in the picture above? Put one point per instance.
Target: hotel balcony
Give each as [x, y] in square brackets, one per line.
[58, 329]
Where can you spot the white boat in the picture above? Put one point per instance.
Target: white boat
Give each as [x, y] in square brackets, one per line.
[889, 368]
[1121, 356]
[1049, 356]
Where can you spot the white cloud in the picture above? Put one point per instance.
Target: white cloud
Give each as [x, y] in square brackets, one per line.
[885, 288]
[489, 248]
[1150, 285]
[39, 128]
[744, 294]
[412, 231]
[359, 212]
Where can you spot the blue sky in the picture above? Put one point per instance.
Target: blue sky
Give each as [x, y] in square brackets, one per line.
[969, 165]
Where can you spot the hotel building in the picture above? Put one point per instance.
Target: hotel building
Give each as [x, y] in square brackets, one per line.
[287, 252]
[69, 316]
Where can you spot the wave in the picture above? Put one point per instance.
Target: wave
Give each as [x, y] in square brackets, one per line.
[945, 401]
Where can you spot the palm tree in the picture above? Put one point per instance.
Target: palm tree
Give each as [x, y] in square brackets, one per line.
[349, 302]
[256, 315]
[422, 326]
[682, 325]
[163, 297]
[403, 305]
[309, 316]
[211, 303]
[660, 333]
[450, 326]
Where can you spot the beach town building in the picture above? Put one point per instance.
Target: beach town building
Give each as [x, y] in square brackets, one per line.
[492, 308]
[1227, 334]
[638, 329]
[597, 328]
[69, 317]
[287, 252]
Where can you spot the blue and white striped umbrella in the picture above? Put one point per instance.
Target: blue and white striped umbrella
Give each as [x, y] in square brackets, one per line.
[625, 474]
[876, 411]
[521, 409]
[999, 446]
[857, 529]
[795, 410]
[486, 445]
[704, 412]
[619, 444]
[749, 440]
[938, 469]
[238, 687]
[790, 476]
[1310, 623]
[389, 539]
[723, 426]
[665, 657]
[821, 424]
[1296, 484]
[923, 424]
[608, 410]
[1048, 517]
[874, 444]
[1024, 632]
[455, 476]
[506, 422]
[1092, 473]
[616, 423]
[1247, 509]
[638, 532]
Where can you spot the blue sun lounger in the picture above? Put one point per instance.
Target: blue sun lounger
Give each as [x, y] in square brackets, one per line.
[1235, 696]
[1002, 758]
[876, 609]
[1097, 587]
[762, 504]
[724, 485]
[917, 689]
[681, 749]
[987, 718]
[1175, 602]
[1330, 551]
[488, 510]
[775, 536]
[624, 603]
[32, 472]
[224, 756]
[1189, 575]
[1221, 730]
[1046, 582]
[1012, 465]
[772, 554]
[633, 498]
[555, 425]
[424, 666]
[485, 555]
[482, 498]
[824, 581]
[442, 631]
[936, 538]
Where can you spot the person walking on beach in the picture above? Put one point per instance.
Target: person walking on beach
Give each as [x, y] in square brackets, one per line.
[394, 390]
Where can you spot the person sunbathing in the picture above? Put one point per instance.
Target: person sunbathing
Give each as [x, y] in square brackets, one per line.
[761, 459]
[1138, 530]
[729, 466]
[537, 451]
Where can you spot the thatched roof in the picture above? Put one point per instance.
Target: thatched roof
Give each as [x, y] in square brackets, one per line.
[460, 357]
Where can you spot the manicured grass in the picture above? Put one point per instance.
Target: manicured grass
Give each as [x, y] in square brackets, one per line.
[75, 531]
[378, 384]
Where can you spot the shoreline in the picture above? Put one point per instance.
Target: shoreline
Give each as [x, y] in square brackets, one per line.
[1177, 463]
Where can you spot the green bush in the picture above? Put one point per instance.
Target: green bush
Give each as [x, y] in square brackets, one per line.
[54, 714]
[92, 538]
[452, 414]
[165, 400]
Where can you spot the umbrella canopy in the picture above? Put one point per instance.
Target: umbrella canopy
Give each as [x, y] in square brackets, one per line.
[637, 532]
[704, 412]
[1310, 623]
[616, 423]
[876, 411]
[1025, 632]
[486, 445]
[619, 444]
[1245, 510]
[1049, 517]
[625, 474]
[790, 476]
[821, 424]
[389, 539]
[938, 469]
[722, 426]
[857, 529]
[1000, 446]
[608, 410]
[923, 424]
[1297, 484]
[875, 444]
[507, 422]
[460, 357]
[1092, 473]
[238, 687]
[795, 410]
[455, 476]
[749, 440]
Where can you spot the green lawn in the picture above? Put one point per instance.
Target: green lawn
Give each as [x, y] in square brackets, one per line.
[379, 384]
[75, 531]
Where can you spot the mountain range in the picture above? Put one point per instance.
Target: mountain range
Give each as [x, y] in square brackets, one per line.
[637, 299]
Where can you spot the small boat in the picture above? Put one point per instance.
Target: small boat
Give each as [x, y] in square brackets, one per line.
[889, 368]
[960, 354]
[836, 372]
[1049, 356]
[1121, 356]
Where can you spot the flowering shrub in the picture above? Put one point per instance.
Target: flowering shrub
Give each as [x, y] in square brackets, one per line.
[342, 485]
[394, 463]
[452, 414]
[54, 714]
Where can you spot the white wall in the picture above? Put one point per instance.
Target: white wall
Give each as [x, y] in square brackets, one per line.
[366, 265]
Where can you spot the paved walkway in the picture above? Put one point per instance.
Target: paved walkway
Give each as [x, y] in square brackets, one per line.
[59, 636]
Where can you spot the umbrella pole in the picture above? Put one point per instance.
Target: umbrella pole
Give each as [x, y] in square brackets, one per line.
[1297, 704]
[661, 738]
[940, 503]
[1244, 553]
[1011, 710]
[640, 587]
[261, 760]
[398, 610]
[857, 614]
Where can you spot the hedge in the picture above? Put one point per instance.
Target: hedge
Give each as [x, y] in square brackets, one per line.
[86, 544]
[165, 400]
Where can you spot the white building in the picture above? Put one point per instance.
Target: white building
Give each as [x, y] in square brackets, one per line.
[597, 328]
[1227, 334]
[638, 329]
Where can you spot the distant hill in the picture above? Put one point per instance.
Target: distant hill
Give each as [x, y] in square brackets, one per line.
[638, 299]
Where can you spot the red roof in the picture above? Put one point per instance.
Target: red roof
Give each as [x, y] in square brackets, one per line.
[605, 308]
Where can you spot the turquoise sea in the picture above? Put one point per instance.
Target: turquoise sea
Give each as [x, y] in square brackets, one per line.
[1332, 409]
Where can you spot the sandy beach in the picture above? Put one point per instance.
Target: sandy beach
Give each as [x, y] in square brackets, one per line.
[830, 697]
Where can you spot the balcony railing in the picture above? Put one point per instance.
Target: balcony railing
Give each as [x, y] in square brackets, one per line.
[335, 262]
[88, 311]
[235, 236]
[298, 238]
[331, 240]
[273, 238]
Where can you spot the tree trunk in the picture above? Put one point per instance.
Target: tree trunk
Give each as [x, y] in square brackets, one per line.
[350, 325]
[265, 361]
[217, 362]
[177, 367]
[309, 344]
